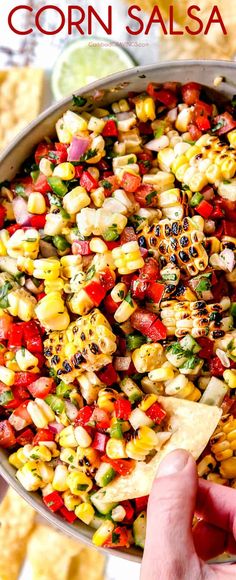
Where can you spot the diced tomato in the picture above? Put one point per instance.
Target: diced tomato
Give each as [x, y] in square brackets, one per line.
[112, 245]
[42, 185]
[84, 415]
[152, 90]
[95, 291]
[167, 98]
[227, 405]
[100, 441]
[203, 123]
[32, 337]
[43, 435]
[15, 337]
[155, 291]
[110, 305]
[53, 501]
[5, 325]
[12, 229]
[25, 437]
[122, 408]
[142, 320]
[206, 347]
[20, 392]
[2, 358]
[216, 367]
[25, 378]
[101, 419]
[42, 150]
[150, 270]
[20, 417]
[228, 228]
[156, 413]
[217, 213]
[41, 387]
[26, 182]
[144, 158]
[141, 503]
[171, 86]
[121, 466]
[119, 538]
[127, 279]
[204, 209]
[108, 375]
[69, 516]
[129, 511]
[106, 279]
[7, 435]
[110, 129]
[130, 182]
[38, 221]
[194, 132]
[128, 235]
[131, 370]
[220, 289]
[2, 215]
[81, 247]
[57, 157]
[228, 207]
[202, 109]
[79, 171]
[157, 331]
[40, 296]
[191, 93]
[88, 181]
[146, 196]
[225, 123]
[110, 185]
[139, 287]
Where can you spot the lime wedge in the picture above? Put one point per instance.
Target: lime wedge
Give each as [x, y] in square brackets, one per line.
[85, 61]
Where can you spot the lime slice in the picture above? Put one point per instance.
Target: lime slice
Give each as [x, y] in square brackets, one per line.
[82, 63]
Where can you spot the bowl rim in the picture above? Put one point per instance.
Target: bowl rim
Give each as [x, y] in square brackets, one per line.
[79, 532]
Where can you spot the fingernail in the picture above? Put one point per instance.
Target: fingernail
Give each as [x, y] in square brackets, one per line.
[173, 463]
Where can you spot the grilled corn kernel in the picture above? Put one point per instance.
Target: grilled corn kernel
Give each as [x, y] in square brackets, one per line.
[85, 512]
[230, 378]
[119, 292]
[40, 413]
[7, 376]
[59, 481]
[147, 402]
[82, 437]
[228, 168]
[49, 306]
[74, 122]
[75, 200]
[46, 268]
[106, 399]
[228, 468]
[45, 167]
[103, 533]
[232, 138]
[195, 395]
[78, 482]
[65, 171]
[128, 258]
[207, 464]
[98, 196]
[98, 246]
[36, 203]
[71, 501]
[15, 461]
[96, 125]
[29, 477]
[161, 374]
[147, 357]
[25, 359]
[145, 109]
[54, 285]
[40, 452]
[67, 437]
[115, 448]
[124, 311]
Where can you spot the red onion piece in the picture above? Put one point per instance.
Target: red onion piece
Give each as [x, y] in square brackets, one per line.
[77, 148]
[22, 216]
[55, 427]
[71, 411]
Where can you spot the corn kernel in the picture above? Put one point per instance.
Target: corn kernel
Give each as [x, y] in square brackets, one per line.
[147, 402]
[36, 203]
[75, 200]
[79, 482]
[228, 468]
[65, 171]
[115, 448]
[161, 374]
[82, 437]
[7, 376]
[85, 512]
[103, 533]
[230, 378]
[59, 481]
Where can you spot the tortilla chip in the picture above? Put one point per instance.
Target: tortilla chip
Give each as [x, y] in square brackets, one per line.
[192, 425]
[89, 564]
[16, 523]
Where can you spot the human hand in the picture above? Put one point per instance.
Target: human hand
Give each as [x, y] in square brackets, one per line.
[173, 549]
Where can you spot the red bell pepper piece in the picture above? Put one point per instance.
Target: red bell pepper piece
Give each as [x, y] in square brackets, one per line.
[20, 417]
[139, 287]
[191, 93]
[25, 378]
[69, 516]
[39, 297]
[108, 375]
[41, 387]
[216, 367]
[79, 171]
[123, 408]
[100, 441]
[81, 247]
[150, 270]
[156, 413]
[167, 98]
[12, 229]
[121, 466]
[25, 437]
[217, 213]
[43, 435]
[53, 501]
[203, 123]
[228, 228]
[95, 292]
[5, 326]
[38, 221]
[141, 503]
[41, 184]
[32, 337]
[119, 538]
[84, 415]
[101, 419]
[157, 331]
[202, 109]
[142, 320]
[110, 129]
[129, 511]
[194, 132]
[42, 150]
[110, 305]
[146, 196]
[128, 235]
[225, 123]
[204, 208]
[130, 182]
[145, 157]
[20, 392]
[112, 245]
[206, 348]
[155, 291]
[15, 337]
[106, 279]
[7, 434]
[2, 215]
[88, 181]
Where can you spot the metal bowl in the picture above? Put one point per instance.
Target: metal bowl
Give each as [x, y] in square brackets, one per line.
[101, 93]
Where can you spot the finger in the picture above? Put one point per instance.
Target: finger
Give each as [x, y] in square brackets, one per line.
[216, 504]
[211, 541]
[169, 544]
[3, 488]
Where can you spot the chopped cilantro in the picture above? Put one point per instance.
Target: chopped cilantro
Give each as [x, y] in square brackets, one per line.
[88, 154]
[121, 294]
[150, 196]
[115, 538]
[4, 290]
[219, 125]
[128, 299]
[90, 273]
[111, 234]
[79, 101]
[131, 160]
[20, 190]
[106, 184]
[204, 284]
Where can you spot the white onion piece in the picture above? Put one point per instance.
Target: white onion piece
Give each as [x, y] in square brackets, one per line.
[228, 260]
[77, 148]
[71, 411]
[124, 116]
[224, 359]
[22, 216]
[158, 144]
[17, 422]
[122, 363]
[209, 226]
[172, 114]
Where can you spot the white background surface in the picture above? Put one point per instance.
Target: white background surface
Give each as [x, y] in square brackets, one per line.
[39, 50]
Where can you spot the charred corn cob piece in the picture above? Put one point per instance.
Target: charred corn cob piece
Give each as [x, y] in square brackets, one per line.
[196, 318]
[223, 447]
[177, 242]
[86, 345]
[174, 203]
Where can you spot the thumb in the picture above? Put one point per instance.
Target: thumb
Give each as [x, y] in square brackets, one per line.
[169, 545]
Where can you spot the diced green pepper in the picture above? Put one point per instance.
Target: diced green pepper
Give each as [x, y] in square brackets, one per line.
[196, 199]
[6, 397]
[56, 404]
[61, 243]
[58, 186]
[116, 430]
[135, 341]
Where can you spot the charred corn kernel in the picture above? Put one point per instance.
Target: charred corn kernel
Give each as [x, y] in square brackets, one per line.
[88, 460]
[79, 482]
[106, 399]
[74, 123]
[36, 203]
[46, 268]
[128, 257]
[49, 306]
[179, 386]
[29, 477]
[60, 322]
[85, 512]
[25, 265]
[232, 138]
[222, 449]
[15, 460]
[82, 437]
[228, 468]
[115, 448]
[161, 374]
[75, 200]
[80, 303]
[37, 452]
[68, 454]
[71, 501]
[118, 513]
[45, 167]
[65, 171]
[124, 311]
[206, 465]
[119, 292]
[147, 402]
[103, 533]
[25, 359]
[10, 361]
[147, 357]
[7, 376]
[67, 437]
[229, 426]
[54, 285]
[40, 413]
[98, 246]
[100, 222]
[21, 304]
[24, 242]
[192, 152]
[145, 109]
[95, 124]
[178, 162]
[98, 196]
[230, 378]
[141, 445]
[59, 481]
[213, 173]
[70, 265]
